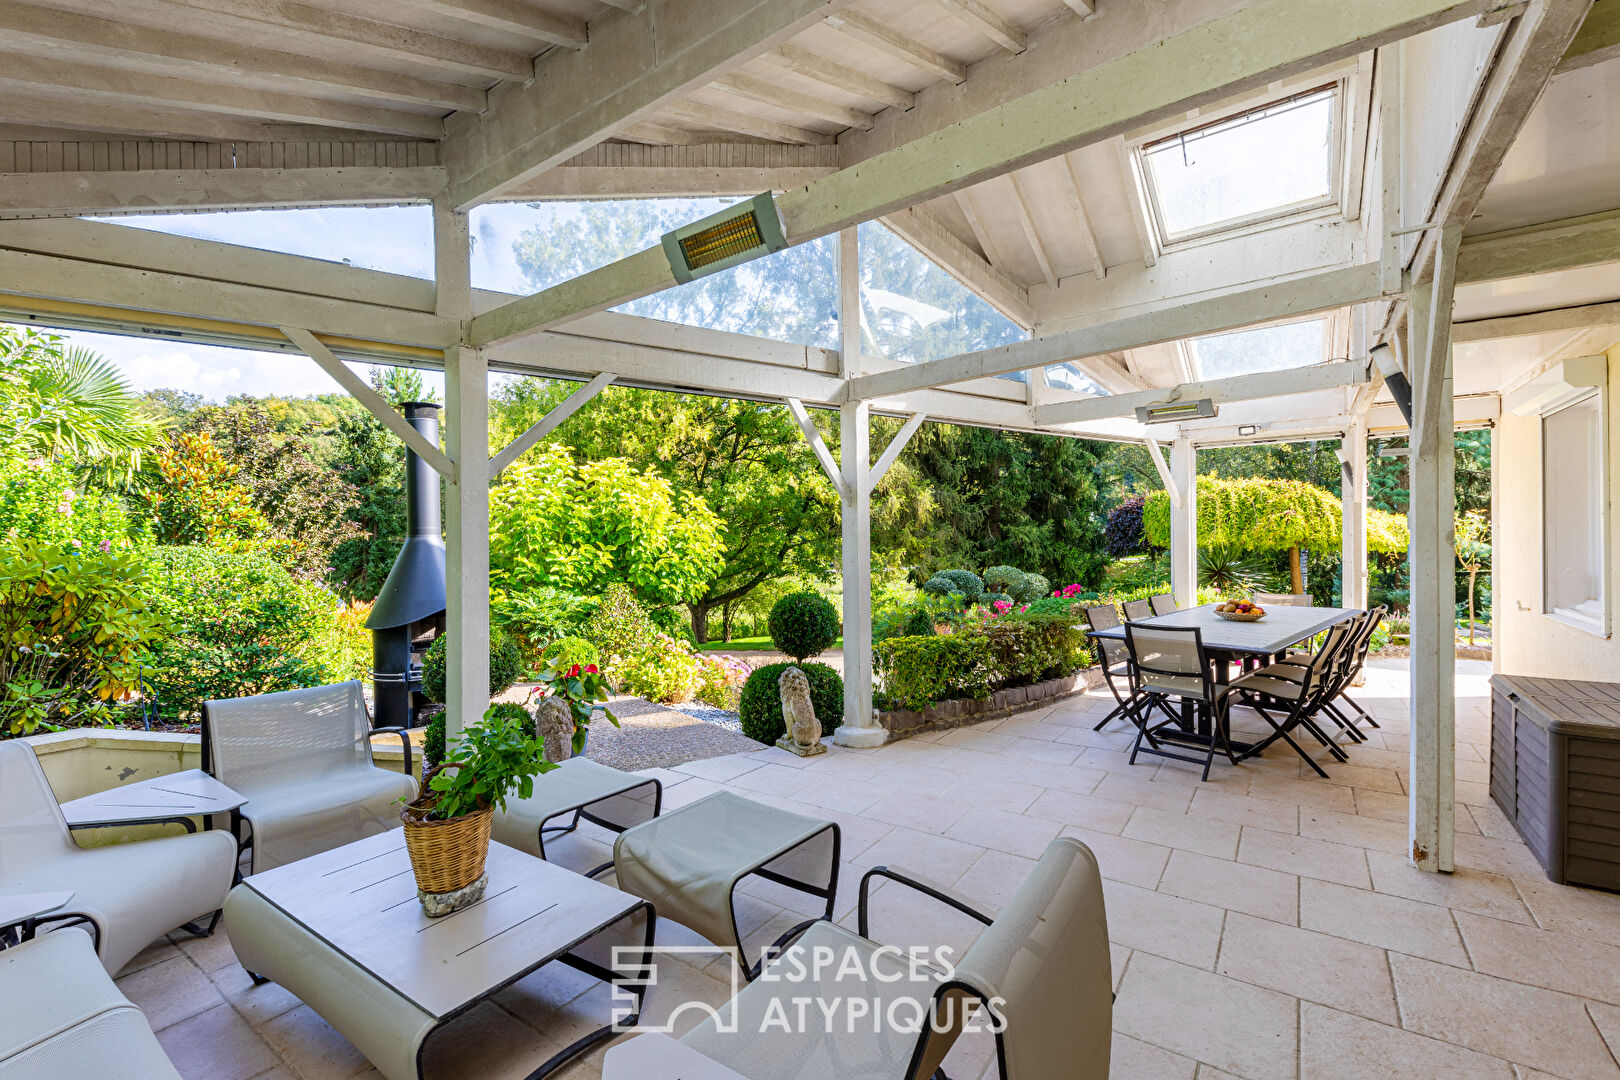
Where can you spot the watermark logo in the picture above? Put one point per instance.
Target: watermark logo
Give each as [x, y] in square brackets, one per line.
[638, 983]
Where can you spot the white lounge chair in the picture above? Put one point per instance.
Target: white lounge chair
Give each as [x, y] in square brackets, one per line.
[130, 893]
[1043, 962]
[65, 1020]
[303, 759]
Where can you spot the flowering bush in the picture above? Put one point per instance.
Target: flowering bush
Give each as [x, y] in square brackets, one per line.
[662, 670]
[620, 625]
[44, 501]
[571, 651]
[720, 681]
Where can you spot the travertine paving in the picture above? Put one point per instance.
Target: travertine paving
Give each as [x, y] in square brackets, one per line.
[1266, 925]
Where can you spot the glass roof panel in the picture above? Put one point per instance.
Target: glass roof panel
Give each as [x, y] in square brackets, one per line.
[1066, 376]
[1262, 163]
[1267, 348]
[913, 311]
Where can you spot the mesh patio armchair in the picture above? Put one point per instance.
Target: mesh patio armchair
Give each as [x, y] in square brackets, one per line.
[128, 894]
[303, 760]
[1348, 667]
[1302, 690]
[65, 1020]
[1137, 610]
[1163, 604]
[1171, 664]
[1114, 659]
[1043, 961]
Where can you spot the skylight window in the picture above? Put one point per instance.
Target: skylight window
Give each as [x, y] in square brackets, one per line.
[1066, 376]
[1267, 348]
[1266, 163]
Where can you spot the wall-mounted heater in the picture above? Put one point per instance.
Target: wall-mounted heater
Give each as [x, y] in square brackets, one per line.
[1389, 366]
[1176, 410]
[1560, 385]
[721, 241]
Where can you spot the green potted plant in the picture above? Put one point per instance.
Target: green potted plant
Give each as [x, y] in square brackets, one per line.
[447, 826]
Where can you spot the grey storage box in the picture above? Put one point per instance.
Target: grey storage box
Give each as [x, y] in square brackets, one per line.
[1555, 772]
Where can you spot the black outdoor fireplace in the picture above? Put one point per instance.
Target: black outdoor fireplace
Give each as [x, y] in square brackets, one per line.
[409, 612]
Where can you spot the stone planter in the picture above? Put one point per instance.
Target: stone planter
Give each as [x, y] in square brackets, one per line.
[903, 723]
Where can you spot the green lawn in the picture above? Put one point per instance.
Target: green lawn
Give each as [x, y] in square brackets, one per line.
[750, 644]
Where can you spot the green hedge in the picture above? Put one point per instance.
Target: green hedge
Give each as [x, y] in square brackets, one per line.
[1015, 650]
[505, 665]
[761, 706]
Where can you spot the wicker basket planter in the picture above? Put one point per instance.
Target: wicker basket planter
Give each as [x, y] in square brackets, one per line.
[446, 855]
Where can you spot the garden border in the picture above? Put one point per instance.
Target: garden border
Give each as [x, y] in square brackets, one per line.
[944, 715]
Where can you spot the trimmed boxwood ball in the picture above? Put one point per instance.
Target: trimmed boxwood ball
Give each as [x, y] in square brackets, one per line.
[802, 624]
[966, 582]
[761, 708]
[505, 665]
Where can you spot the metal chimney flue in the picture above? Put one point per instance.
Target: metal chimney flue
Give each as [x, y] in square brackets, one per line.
[409, 611]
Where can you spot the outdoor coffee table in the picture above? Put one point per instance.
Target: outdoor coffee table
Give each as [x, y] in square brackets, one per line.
[176, 798]
[344, 933]
[688, 863]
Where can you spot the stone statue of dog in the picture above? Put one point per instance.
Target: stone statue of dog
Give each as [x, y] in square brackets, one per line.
[803, 735]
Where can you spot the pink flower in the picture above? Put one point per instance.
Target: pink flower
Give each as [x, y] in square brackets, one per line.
[106, 545]
[64, 508]
[77, 543]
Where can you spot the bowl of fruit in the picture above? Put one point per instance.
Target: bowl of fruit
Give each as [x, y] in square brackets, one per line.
[1240, 611]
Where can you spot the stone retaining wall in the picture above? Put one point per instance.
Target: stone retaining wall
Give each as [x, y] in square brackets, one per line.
[904, 723]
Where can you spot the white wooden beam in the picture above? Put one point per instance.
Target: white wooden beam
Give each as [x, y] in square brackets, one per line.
[818, 445]
[865, 29]
[1082, 219]
[983, 20]
[50, 109]
[637, 63]
[776, 96]
[1166, 478]
[743, 121]
[1032, 234]
[547, 424]
[1082, 8]
[1266, 384]
[170, 49]
[1540, 249]
[828, 72]
[1540, 322]
[213, 189]
[1301, 296]
[373, 402]
[919, 227]
[511, 17]
[993, 254]
[891, 453]
[1432, 555]
[1242, 50]
[850, 316]
[1146, 237]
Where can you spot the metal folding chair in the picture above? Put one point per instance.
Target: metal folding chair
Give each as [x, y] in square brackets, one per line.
[1171, 663]
[1137, 610]
[1163, 604]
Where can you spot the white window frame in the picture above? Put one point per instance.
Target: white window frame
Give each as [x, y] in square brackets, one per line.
[1351, 83]
[1604, 625]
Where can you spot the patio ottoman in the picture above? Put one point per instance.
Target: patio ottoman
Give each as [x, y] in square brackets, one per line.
[688, 862]
[586, 789]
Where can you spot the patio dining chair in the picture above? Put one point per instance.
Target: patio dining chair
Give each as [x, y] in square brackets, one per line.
[1163, 604]
[1348, 668]
[1137, 610]
[128, 895]
[1043, 962]
[303, 760]
[1282, 599]
[1114, 659]
[1172, 665]
[1302, 690]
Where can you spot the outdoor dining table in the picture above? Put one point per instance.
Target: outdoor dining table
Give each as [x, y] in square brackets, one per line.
[1228, 640]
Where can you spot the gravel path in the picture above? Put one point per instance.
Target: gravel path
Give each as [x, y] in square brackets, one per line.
[652, 735]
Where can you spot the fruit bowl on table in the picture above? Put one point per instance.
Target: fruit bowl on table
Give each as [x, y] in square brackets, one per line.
[1242, 616]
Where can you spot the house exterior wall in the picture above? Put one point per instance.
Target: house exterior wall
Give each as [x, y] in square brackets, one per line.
[1528, 642]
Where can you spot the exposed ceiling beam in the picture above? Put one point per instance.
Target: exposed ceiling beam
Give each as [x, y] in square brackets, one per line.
[1246, 49]
[646, 132]
[1540, 322]
[637, 63]
[1306, 295]
[1539, 249]
[1032, 234]
[93, 83]
[616, 169]
[1082, 219]
[1265, 384]
[1082, 8]
[1598, 39]
[510, 17]
[984, 20]
[156, 122]
[965, 202]
[896, 45]
[369, 38]
[66, 34]
[831, 73]
[769, 93]
[213, 189]
[1112, 373]
[919, 228]
[720, 118]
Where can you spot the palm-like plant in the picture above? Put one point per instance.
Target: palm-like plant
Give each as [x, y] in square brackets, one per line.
[74, 403]
[1229, 570]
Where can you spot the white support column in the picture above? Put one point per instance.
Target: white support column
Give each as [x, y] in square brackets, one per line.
[1353, 504]
[466, 392]
[849, 303]
[1432, 556]
[860, 727]
[1184, 522]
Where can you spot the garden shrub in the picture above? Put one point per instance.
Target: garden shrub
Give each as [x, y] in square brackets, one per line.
[1015, 585]
[1014, 650]
[567, 651]
[803, 624]
[45, 501]
[73, 626]
[661, 670]
[505, 665]
[720, 681]
[1039, 588]
[966, 582]
[761, 705]
[909, 620]
[433, 742]
[620, 624]
[538, 615]
[1124, 533]
[239, 624]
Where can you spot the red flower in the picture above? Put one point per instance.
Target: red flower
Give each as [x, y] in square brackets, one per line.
[591, 669]
[573, 672]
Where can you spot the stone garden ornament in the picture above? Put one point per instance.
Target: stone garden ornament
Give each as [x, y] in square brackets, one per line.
[803, 735]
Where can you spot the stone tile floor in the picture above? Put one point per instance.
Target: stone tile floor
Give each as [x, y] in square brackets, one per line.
[1266, 924]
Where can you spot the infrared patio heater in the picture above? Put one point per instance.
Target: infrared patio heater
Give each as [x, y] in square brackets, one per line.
[409, 611]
